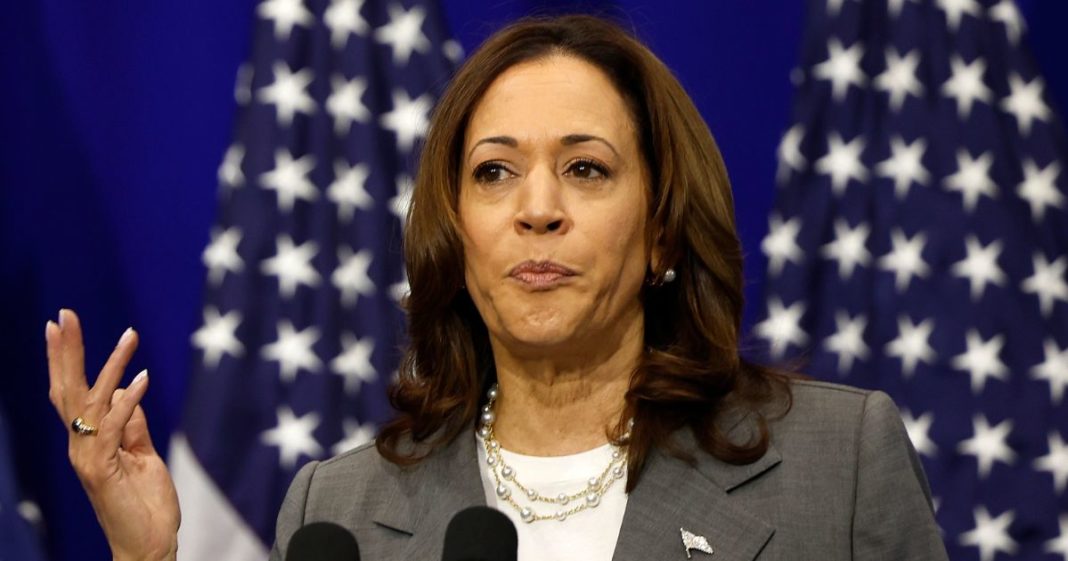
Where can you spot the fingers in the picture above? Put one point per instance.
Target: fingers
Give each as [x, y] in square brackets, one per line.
[123, 404]
[55, 385]
[71, 357]
[99, 399]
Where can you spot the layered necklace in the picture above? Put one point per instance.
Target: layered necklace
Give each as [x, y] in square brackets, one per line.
[507, 482]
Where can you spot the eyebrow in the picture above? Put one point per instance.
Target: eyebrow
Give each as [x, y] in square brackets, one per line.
[567, 140]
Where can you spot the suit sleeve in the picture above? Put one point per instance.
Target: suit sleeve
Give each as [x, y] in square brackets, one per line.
[893, 518]
[291, 515]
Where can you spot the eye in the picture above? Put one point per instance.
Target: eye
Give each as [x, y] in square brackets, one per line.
[491, 172]
[588, 170]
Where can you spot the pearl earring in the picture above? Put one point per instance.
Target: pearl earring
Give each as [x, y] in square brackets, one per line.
[669, 275]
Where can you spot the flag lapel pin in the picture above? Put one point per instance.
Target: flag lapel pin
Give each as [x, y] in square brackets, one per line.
[694, 542]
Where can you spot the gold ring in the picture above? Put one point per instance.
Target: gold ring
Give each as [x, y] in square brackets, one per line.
[79, 426]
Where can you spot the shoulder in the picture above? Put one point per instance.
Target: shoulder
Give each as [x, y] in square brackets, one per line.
[361, 469]
[834, 423]
[827, 405]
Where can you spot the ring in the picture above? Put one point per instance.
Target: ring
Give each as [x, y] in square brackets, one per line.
[79, 426]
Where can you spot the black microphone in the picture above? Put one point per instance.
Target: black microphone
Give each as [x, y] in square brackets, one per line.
[322, 541]
[480, 533]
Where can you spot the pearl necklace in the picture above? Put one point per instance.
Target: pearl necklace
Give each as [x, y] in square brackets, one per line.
[588, 497]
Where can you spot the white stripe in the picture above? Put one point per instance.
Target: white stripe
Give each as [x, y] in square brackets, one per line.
[211, 528]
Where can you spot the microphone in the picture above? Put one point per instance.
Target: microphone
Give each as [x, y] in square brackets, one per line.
[322, 541]
[480, 533]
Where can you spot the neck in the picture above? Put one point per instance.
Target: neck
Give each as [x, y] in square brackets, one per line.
[558, 405]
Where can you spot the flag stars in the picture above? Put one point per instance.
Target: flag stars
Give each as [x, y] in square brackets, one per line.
[218, 336]
[980, 266]
[345, 103]
[348, 190]
[912, 344]
[356, 435]
[1025, 102]
[988, 444]
[292, 265]
[399, 203]
[848, 341]
[972, 178]
[351, 276]
[293, 351]
[1047, 282]
[354, 362]
[288, 93]
[289, 178]
[230, 174]
[1053, 369]
[1005, 12]
[780, 245]
[1039, 188]
[899, 78]
[285, 14]
[344, 19]
[1055, 462]
[982, 360]
[789, 153]
[895, 6]
[991, 535]
[842, 162]
[1059, 545]
[905, 165]
[404, 33]
[919, 430]
[834, 6]
[905, 259]
[408, 119]
[955, 10]
[221, 255]
[966, 86]
[782, 327]
[842, 68]
[293, 437]
[848, 248]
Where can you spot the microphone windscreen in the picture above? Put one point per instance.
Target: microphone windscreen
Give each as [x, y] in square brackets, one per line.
[480, 533]
[322, 541]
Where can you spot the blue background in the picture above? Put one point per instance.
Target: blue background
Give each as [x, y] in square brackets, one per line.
[113, 120]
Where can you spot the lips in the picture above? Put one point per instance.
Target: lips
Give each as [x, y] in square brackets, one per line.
[540, 274]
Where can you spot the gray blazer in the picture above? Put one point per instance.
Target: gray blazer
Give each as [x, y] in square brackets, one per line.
[840, 481]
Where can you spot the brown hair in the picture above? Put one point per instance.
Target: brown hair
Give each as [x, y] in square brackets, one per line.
[691, 371]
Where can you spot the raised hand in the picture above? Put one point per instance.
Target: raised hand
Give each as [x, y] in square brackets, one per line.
[126, 480]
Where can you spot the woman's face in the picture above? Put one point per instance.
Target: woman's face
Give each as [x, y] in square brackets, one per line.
[553, 203]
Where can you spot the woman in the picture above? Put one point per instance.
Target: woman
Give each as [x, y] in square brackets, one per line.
[576, 295]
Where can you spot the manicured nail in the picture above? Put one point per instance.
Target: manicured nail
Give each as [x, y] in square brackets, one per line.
[142, 375]
[61, 314]
[126, 336]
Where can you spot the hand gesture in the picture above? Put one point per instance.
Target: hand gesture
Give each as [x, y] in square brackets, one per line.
[126, 480]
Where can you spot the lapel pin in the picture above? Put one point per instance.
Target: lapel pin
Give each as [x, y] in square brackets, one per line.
[694, 542]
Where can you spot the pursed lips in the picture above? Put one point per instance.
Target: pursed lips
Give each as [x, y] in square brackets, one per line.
[540, 274]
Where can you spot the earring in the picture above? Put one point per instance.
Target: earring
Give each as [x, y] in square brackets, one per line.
[669, 275]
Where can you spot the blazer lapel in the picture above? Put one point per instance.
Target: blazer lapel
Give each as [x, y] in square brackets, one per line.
[430, 493]
[673, 496]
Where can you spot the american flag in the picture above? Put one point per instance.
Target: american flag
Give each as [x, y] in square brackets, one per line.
[301, 322]
[919, 244]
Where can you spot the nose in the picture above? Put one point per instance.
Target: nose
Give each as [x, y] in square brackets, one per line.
[541, 208]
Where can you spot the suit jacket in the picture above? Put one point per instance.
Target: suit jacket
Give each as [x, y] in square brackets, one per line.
[839, 481]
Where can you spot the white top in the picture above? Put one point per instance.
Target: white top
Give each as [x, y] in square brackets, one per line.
[589, 535]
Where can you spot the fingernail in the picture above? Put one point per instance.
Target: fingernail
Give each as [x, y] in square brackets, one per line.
[126, 336]
[142, 375]
[61, 314]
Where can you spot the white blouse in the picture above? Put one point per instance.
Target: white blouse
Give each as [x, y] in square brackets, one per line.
[589, 535]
